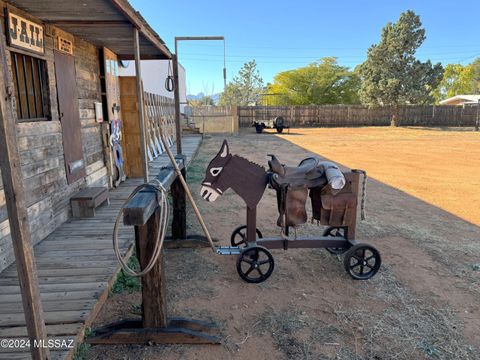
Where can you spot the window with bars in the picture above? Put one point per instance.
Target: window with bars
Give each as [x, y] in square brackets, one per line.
[31, 87]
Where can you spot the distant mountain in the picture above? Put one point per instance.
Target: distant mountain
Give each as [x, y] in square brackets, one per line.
[200, 95]
[195, 97]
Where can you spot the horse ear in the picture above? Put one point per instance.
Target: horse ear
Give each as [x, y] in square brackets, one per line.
[224, 151]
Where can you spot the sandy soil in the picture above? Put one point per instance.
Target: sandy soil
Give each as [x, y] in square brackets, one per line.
[424, 302]
[439, 166]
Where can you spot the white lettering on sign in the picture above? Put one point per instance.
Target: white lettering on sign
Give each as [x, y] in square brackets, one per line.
[25, 34]
[65, 45]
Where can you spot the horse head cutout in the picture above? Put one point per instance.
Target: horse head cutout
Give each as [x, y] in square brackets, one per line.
[226, 171]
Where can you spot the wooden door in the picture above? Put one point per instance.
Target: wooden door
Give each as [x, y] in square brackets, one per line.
[116, 139]
[69, 116]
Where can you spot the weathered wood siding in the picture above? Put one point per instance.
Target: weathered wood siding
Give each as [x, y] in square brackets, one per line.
[41, 151]
[358, 115]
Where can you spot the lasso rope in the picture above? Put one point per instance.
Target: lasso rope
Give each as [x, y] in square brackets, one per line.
[364, 192]
[161, 194]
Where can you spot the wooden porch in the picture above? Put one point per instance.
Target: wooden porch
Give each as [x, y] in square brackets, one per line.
[76, 268]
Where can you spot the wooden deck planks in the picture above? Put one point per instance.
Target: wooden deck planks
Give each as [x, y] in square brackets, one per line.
[76, 268]
[54, 330]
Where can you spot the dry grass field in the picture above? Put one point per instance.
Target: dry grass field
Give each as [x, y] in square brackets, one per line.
[439, 166]
[421, 215]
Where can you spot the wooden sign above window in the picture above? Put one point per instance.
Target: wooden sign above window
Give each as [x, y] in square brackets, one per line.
[65, 45]
[25, 34]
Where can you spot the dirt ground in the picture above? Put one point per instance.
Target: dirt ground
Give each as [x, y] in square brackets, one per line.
[424, 302]
[440, 166]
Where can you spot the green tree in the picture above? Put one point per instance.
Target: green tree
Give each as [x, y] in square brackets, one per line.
[322, 82]
[475, 68]
[457, 79]
[244, 88]
[392, 75]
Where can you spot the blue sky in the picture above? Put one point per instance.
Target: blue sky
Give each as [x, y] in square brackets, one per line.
[282, 35]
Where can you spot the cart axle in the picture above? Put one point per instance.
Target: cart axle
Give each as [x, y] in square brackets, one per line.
[229, 250]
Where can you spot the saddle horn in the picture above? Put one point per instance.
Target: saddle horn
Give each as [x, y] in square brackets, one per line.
[275, 165]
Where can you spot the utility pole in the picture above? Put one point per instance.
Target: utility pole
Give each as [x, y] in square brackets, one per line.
[224, 67]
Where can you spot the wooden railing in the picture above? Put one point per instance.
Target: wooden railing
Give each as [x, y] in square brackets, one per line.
[142, 212]
[159, 115]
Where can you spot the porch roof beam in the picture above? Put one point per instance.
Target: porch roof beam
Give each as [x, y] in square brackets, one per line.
[93, 20]
[140, 102]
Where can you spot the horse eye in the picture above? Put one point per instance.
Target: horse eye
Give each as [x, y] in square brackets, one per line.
[215, 171]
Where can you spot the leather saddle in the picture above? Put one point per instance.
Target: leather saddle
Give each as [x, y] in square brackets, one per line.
[309, 173]
[293, 184]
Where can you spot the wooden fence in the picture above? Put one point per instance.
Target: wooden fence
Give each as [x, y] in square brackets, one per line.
[159, 112]
[357, 115]
[215, 119]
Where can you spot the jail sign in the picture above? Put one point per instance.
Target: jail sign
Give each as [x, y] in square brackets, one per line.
[25, 34]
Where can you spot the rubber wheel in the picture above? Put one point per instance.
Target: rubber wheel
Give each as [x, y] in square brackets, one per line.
[255, 264]
[279, 122]
[239, 236]
[362, 261]
[279, 130]
[335, 231]
[259, 128]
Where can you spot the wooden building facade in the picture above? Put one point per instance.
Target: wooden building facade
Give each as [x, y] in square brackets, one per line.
[63, 81]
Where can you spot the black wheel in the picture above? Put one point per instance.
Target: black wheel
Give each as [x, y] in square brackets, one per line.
[279, 122]
[259, 128]
[337, 232]
[362, 261]
[255, 264]
[279, 130]
[239, 236]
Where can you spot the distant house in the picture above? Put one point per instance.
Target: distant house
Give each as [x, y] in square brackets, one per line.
[461, 100]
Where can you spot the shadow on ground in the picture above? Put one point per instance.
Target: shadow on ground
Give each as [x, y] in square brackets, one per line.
[423, 304]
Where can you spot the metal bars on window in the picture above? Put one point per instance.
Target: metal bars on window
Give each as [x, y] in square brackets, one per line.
[30, 79]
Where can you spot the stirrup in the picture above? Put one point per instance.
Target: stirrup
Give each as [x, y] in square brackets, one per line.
[286, 237]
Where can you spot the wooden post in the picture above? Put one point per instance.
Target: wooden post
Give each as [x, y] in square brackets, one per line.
[179, 222]
[17, 214]
[354, 178]
[154, 312]
[178, 125]
[143, 212]
[179, 200]
[251, 225]
[141, 113]
[235, 119]
[477, 122]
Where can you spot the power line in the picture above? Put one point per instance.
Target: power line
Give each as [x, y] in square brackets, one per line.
[470, 57]
[313, 56]
[331, 48]
[314, 59]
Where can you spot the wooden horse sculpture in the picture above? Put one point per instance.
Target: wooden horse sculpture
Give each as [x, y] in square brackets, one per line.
[292, 184]
[226, 171]
[247, 179]
[334, 204]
